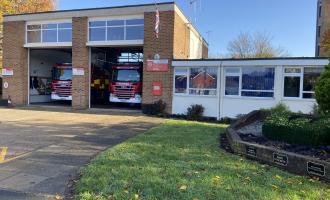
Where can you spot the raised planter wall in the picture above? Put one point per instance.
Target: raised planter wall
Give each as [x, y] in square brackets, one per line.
[292, 162]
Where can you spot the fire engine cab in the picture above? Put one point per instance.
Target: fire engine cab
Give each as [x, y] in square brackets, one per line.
[62, 82]
[126, 84]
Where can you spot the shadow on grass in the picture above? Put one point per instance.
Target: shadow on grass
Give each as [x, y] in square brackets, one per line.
[156, 164]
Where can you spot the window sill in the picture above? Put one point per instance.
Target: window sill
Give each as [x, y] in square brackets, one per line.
[194, 96]
[249, 98]
[298, 99]
[115, 43]
[48, 44]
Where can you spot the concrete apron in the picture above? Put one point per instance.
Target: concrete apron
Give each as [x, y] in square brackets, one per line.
[45, 148]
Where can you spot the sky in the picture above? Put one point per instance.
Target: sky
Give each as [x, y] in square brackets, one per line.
[291, 23]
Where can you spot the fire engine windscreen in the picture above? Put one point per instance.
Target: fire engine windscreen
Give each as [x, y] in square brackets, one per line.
[62, 74]
[126, 75]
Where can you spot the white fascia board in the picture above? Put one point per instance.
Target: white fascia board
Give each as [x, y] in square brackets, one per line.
[279, 62]
[116, 43]
[242, 63]
[193, 63]
[101, 12]
[49, 44]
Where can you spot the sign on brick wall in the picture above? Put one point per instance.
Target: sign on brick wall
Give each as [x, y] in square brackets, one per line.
[157, 88]
[7, 71]
[157, 65]
[78, 71]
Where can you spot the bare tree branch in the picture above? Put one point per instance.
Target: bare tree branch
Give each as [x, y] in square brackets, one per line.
[257, 46]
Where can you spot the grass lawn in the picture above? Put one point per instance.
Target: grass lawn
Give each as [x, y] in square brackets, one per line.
[182, 160]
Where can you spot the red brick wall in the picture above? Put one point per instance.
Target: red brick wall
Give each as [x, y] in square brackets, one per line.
[325, 24]
[173, 42]
[181, 38]
[162, 46]
[15, 55]
[80, 58]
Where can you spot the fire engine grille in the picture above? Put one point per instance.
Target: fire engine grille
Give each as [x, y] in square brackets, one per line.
[62, 90]
[124, 92]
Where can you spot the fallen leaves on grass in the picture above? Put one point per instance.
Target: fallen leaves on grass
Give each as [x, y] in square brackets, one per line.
[183, 188]
[278, 177]
[216, 180]
[275, 187]
[58, 197]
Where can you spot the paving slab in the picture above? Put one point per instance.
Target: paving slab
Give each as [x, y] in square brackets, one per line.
[46, 148]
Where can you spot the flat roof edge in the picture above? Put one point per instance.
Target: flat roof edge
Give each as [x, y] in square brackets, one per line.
[253, 59]
[86, 11]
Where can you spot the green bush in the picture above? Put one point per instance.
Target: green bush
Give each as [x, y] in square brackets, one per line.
[297, 129]
[322, 91]
[279, 108]
[156, 108]
[195, 112]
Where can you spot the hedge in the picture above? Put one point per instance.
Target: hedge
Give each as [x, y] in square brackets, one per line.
[298, 129]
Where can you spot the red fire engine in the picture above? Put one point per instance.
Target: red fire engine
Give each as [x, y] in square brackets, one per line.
[62, 82]
[126, 84]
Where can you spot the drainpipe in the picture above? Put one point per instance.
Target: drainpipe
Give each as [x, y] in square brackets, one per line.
[220, 91]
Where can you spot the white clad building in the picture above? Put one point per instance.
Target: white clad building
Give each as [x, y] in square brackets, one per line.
[227, 87]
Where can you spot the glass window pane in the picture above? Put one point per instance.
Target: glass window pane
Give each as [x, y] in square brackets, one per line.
[135, 22]
[232, 70]
[204, 78]
[292, 70]
[97, 23]
[179, 71]
[65, 25]
[115, 23]
[49, 36]
[180, 84]
[310, 77]
[135, 33]
[65, 35]
[257, 78]
[49, 26]
[97, 34]
[116, 33]
[291, 86]
[202, 92]
[33, 36]
[309, 95]
[232, 85]
[257, 94]
[33, 27]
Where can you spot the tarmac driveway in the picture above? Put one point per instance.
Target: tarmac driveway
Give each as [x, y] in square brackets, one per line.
[45, 149]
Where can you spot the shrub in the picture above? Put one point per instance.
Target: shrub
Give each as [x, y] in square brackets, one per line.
[156, 108]
[297, 129]
[279, 108]
[322, 89]
[226, 120]
[195, 112]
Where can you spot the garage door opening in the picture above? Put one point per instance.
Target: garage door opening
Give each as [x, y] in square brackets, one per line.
[50, 76]
[116, 77]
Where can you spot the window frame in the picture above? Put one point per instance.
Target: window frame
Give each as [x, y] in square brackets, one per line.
[240, 85]
[187, 74]
[41, 29]
[124, 26]
[301, 86]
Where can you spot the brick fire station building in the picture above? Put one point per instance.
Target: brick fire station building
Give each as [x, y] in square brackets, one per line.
[171, 67]
[34, 42]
